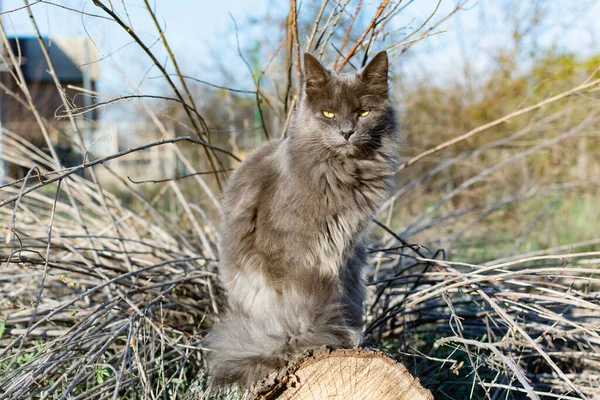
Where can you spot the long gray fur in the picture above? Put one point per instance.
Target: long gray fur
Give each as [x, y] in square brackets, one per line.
[293, 218]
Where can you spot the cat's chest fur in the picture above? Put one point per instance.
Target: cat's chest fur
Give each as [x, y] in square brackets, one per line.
[326, 204]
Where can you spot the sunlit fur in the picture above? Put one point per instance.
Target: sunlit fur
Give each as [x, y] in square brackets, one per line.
[293, 217]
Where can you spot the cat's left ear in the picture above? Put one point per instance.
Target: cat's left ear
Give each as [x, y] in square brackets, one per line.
[376, 71]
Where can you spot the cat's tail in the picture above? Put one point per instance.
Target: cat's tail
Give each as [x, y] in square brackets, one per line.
[244, 348]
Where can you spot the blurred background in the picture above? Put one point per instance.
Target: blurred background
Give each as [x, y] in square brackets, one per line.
[121, 121]
[520, 185]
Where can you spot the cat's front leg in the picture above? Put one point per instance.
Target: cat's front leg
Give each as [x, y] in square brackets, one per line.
[354, 289]
[250, 289]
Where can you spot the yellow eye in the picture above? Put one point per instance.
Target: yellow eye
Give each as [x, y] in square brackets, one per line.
[328, 114]
[364, 113]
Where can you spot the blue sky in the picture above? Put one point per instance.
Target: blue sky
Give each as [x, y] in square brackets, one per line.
[200, 30]
[193, 28]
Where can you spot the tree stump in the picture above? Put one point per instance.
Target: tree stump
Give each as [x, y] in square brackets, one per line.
[364, 374]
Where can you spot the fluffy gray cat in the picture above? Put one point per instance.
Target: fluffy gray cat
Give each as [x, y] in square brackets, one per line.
[293, 217]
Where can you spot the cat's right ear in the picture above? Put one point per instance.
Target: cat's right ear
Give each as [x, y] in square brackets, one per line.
[315, 75]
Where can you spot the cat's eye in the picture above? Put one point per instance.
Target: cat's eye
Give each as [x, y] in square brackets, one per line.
[364, 113]
[328, 114]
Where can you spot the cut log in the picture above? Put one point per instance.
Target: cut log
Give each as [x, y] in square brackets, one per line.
[364, 374]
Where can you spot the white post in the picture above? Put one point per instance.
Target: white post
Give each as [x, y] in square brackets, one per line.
[2, 166]
[87, 85]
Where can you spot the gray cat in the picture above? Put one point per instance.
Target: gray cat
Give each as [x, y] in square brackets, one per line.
[293, 218]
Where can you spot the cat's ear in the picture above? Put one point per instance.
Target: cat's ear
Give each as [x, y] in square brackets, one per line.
[376, 71]
[315, 75]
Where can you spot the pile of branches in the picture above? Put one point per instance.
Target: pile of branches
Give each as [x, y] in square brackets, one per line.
[100, 301]
[97, 298]
[516, 327]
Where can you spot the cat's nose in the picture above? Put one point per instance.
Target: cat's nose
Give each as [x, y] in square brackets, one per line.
[347, 128]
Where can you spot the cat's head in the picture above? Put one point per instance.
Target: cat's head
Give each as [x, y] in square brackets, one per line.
[346, 113]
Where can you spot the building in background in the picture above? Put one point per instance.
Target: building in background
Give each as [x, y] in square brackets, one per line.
[73, 62]
[71, 59]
